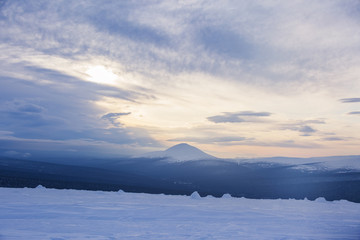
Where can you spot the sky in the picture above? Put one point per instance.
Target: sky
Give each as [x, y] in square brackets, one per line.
[233, 78]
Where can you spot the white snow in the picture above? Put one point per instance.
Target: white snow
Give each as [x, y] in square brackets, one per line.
[226, 195]
[195, 195]
[69, 214]
[40, 187]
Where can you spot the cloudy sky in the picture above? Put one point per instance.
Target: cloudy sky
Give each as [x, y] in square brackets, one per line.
[234, 78]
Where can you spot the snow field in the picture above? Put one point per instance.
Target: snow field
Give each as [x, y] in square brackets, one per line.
[72, 214]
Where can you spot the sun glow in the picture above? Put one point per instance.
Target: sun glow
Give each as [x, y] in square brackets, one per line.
[102, 75]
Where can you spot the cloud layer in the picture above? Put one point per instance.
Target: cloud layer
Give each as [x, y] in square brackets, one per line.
[137, 76]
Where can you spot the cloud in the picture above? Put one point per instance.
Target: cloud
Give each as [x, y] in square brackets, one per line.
[57, 78]
[47, 105]
[354, 113]
[333, 139]
[287, 144]
[172, 66]
[20, 112]
[314, 121]
[306, 129]
[112, 117]
[302, 127]
[5, 133]
[225, 43]
[227, 140]
[253, 114]
[226, 118]
[31, 108]
[113, 142]
[16, 154]
[50, 148]
[157, 35]
[237, 117]
[350, 100]
[128, 29]
[243, 141]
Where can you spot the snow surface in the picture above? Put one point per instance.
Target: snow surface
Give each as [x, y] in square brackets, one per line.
[72, 214]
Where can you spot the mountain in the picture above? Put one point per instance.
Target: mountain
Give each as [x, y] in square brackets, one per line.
[179, 153]
[331, 163]
[258, 178]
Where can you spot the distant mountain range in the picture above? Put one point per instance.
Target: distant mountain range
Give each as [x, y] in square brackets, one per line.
[184, 152]
[342, 163]
[183, 169]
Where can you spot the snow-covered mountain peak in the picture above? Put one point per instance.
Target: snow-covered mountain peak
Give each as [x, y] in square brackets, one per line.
[181, 146]
[180, 152]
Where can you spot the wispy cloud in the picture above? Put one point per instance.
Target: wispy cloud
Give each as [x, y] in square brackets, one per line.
[226, 43]
[350, 100]
[112, 117]
[237, 117]
[354, 113]
[286, 144]
[333, 139]
[205, 36]
[228, 140]
[306, 130]
[303, 127]
[243, 141]
[314, 121]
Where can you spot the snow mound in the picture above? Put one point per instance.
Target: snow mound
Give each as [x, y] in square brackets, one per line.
[195, 195]
[320, 199]
[120, 191]
[226, 195]
[40, 187]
